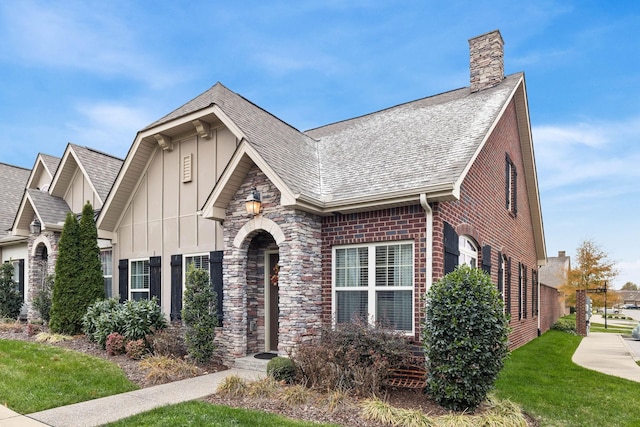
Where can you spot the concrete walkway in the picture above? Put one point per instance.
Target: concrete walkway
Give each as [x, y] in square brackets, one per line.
[113, 408]
[610, 354]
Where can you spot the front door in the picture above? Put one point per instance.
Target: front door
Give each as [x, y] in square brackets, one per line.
[271, 302]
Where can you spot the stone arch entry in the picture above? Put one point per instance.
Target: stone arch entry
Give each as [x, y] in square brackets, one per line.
[252, 281]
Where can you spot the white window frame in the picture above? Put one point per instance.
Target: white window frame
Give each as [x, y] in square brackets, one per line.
[467, 256]
[185, 265]
[371, 287]
[107, 267]
[503, 261]
[148, 275]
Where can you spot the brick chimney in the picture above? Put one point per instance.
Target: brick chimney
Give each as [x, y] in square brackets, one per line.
[562, 254]
[486, 66]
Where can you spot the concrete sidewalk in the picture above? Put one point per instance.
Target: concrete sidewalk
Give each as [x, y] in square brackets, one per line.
[113, 408]
[610, 354]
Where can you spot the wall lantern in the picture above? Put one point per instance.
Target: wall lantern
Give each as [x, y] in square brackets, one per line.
[35, 227]
[253, 203]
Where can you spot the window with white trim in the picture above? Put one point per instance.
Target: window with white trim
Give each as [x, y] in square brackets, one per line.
[375, 282]
[468, 252]
[199, 261]
[139, 280]
[106, 259]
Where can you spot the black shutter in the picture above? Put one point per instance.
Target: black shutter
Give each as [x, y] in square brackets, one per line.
[508, 283]
[500, 275]
[519, 290]
[451, 251]
[507, 181]
[155, 278]
[515, 190]
[534, 289]
[215, 272]
[486, 259]
[123, 279]
[20, 278]
[524, 290]
[176, 287]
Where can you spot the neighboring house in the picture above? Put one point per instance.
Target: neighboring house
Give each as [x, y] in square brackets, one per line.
[13, 248]
[54, 188]
[629, 298]
[359, 217]
[552, 277]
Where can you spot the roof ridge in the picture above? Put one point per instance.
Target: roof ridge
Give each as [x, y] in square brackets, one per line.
[14, 166]
[96, 151]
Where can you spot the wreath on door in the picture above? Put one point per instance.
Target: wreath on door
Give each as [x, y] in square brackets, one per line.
[273, 278]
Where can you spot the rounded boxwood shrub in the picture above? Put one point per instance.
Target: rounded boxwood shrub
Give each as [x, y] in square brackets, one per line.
[465, 337]
[281, 369]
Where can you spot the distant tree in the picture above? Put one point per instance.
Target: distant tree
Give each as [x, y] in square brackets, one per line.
[78, 280]
[10, 298]
[629, 286]
[593, 271]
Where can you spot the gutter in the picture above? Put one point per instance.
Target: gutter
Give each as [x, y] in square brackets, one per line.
[429, 238]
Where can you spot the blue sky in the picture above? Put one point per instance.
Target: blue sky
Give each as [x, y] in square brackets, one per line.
[95, 72]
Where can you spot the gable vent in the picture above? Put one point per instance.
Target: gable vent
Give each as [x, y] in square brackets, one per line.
[187, 168]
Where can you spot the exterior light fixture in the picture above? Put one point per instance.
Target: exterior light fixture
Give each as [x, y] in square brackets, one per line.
[253, 203]
[35, 227]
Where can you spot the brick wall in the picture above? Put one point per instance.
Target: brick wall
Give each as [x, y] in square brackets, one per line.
[387, 225]
[553, 305]
[481, 213]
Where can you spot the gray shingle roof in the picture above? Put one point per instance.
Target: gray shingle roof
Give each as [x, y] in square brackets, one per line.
[51, 162]
[417, 145]
[102, 169]
[414, 146]
[52, 210]
[292, 154]
[13, 180]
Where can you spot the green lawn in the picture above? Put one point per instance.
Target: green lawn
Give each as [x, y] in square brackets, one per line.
[205, 414]
[35, 377]
[541, 377]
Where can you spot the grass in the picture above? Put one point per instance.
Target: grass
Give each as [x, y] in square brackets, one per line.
[204, 414]
[611, 327]
[541, 377]
[35, 377]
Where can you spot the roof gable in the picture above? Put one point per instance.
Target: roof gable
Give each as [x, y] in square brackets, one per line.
[12, 183]
[43, 171]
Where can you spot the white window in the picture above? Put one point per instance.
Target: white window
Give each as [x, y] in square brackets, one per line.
[106, 259]
[200, 261]
[511, 182]
[139, 280]
[375, 282]
[468, 252]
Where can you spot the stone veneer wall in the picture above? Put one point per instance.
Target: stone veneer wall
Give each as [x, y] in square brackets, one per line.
[36, 274]
[298, 236]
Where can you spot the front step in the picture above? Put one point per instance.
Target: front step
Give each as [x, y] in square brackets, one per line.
[251, 363]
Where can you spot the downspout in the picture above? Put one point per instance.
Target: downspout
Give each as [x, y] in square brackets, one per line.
[429, 238]
[538, 306]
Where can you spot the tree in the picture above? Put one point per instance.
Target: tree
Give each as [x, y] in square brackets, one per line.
[78, 280]
[629, 286]
[594, 271]
[10, 298]
[92, 279]
[199, 315]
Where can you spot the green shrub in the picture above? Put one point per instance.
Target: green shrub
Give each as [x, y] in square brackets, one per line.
[133, 320]
[565, 325]
[199, 315]
[465, 337]
[10, 298]
[282, 369]
[42, 299]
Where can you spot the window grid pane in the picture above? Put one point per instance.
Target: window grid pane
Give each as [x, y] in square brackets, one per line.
[199, 261]
[394, 265]
[394, 309]
[352, 267]
[352, 305]
[140, 275]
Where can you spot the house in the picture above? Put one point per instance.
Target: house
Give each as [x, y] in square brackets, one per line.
[55, 187]
[358, 217]
[12, 248]
[552, 276]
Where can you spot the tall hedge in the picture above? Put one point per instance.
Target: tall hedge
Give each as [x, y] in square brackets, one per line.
[78, 280]
[10, 298]
[465, 337]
